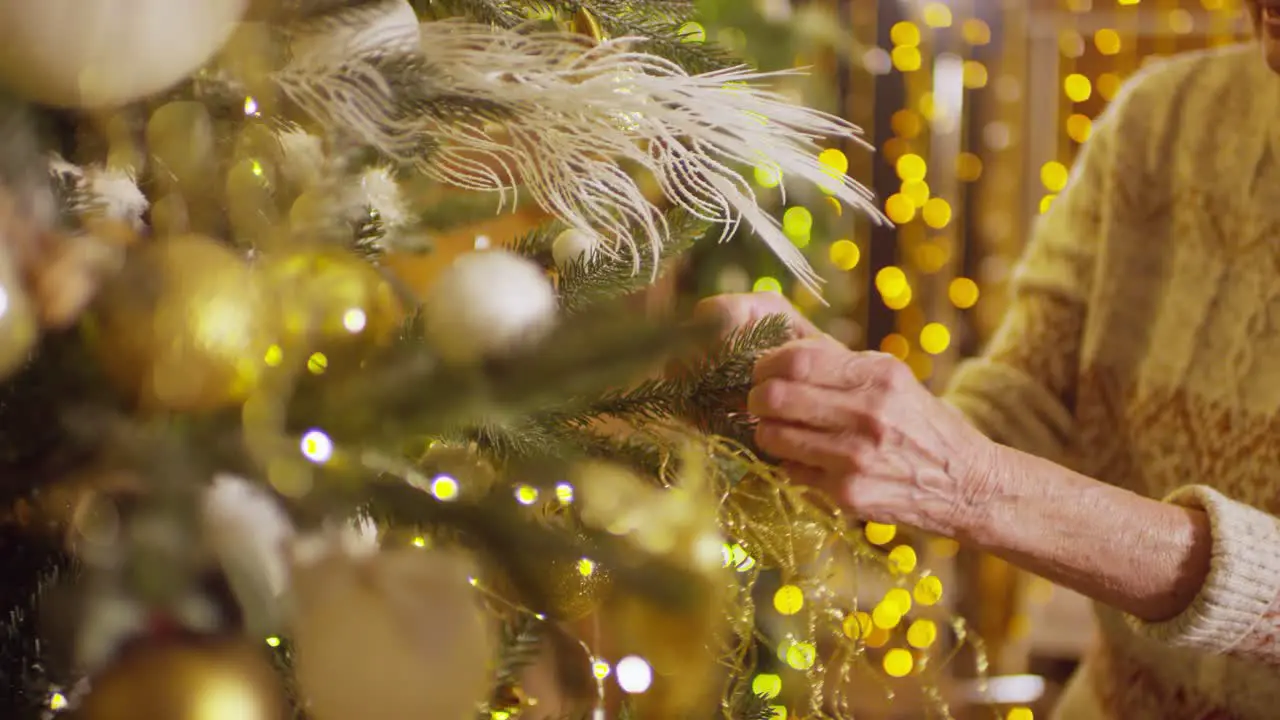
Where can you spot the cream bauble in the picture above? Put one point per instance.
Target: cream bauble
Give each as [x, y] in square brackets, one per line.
[97, 53]
[399, 634]
[573, 246]
[488, 303]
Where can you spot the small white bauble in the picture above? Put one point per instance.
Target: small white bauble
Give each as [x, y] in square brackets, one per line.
[572, 246]
[96, 53]
[488, 303]
[397, 635]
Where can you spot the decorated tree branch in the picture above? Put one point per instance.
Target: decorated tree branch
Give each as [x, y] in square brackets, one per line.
[250, 472]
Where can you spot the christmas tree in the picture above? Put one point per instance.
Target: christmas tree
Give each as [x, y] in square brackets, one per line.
[251, 472]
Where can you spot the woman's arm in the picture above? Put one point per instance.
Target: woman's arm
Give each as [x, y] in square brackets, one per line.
[1136, 554]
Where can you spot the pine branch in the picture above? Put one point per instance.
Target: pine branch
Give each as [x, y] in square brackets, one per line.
[706, 392]
[753, 707]
[519, 647]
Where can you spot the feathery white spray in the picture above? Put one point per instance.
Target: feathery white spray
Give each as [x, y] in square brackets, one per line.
[570, 112]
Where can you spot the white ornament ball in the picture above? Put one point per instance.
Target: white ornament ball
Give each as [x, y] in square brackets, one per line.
[96, 53]
[488, 303]
[396, 635]
[573, 246]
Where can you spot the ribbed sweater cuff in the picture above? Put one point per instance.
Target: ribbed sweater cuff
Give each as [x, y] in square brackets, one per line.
[1243, 581]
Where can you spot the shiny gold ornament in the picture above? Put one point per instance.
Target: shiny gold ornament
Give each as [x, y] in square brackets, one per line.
[576, 588]
[678, 523]
[769, 522]
[187, 680]
[185, 327]
[331, 297]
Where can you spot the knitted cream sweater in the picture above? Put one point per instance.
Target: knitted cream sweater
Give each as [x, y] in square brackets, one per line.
[1143, 349]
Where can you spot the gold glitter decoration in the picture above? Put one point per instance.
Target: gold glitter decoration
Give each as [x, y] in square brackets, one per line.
[187, 680]
[185, 327]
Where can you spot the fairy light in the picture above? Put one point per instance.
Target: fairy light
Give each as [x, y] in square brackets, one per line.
[58, 702]
[444, 488]
[767, 685]
[788, 600]
[273, 642]
[922, 634]
[879, 534]
[317, 363]
[526, 494]
[316, 446]
[274, 356]
[251, 107]
[419, 542]
[354, 320]
[600, 669]
[564, 493]
[928, 591]
[634, 675]
[898, 663]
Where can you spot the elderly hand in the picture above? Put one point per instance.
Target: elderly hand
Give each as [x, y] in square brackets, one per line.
[859, 426]
[742, 309]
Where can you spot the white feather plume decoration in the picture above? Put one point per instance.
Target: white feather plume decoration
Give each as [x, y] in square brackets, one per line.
[568, 114]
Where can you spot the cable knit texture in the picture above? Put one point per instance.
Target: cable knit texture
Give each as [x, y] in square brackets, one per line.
[1143, 348]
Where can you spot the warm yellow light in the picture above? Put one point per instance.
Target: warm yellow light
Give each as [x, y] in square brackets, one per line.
[968, 167]
[274, 356]
[586, 567]
[1046, 202]
[693, 32]
[886, 615]
[444, 488]
[1054, 175]
[899, 208]
[768, 175]
[899, 301]
[911, 167]
[834, 159]
[1022, 713]
[935, 338]
[857, 625]
[1107, 41]
[899, 598]
[963, 293]
[789, 600]
[1079, 127]
[937, 15]
[526, 494]
[891, 281]
[976, 32]
[902, 559]
[906, 123]
[800, 655]
[936, 213]
[898, 662]
[928, 591]
[878, 533]
[1108, 85]
[975, 74]
[922, 634]
[906, 59]
[316, 446]
[844, 254]
[767, 284]
[904, 34]
[917, 191]
[878, 637]
[1077, 87]
[767, 684]
[600, 669]
[797, 221]
[317, 363]
[895, 345]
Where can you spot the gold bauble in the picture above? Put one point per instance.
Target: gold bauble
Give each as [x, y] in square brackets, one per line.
[185, 327]
[575, 588]
[187, 680]
[331, 297]
[770, 523]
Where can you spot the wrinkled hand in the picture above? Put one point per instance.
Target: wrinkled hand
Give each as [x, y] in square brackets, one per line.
[859, 426]
[742, 309]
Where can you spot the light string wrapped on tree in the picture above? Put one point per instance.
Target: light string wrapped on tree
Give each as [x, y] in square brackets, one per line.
[282, 440]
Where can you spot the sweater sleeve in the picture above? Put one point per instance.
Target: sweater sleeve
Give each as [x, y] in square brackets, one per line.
[1021, 391]
[1237, 610]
